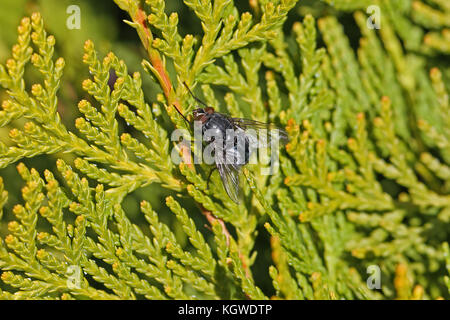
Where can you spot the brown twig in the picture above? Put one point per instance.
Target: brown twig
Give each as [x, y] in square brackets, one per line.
[213, 219]
[140, 17]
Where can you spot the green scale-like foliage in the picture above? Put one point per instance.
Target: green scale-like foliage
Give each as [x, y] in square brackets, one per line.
[364, 179]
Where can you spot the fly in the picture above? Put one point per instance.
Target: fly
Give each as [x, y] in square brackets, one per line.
[232, 141]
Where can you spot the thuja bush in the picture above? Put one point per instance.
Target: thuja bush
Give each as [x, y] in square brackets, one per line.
[359, 209]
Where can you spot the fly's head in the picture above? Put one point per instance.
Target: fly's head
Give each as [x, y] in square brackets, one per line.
[202, 114]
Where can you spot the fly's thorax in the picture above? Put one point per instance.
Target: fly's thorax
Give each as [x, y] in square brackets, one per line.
[215, 127]
[217, 122]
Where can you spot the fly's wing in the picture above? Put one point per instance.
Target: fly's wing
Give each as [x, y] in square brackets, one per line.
[271, 128]
[230, 179]
[229, 162]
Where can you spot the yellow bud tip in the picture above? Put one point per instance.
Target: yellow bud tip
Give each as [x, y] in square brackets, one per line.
[288, 147]
[425, 157]
[5, 275]
[296, 26]
[401, 269]
[10, 63]
[17, 209]
[41, 253]
[88, 45]
[13, 133]
[36, 89]
[302, 217]
[6, 105]
[246, 16]
[269, 75]
[378, 121]
[330, 176]
[9, 239]
[35, 17]
[79, 122]
[78, 162]
[170, 264]
[124, 137]
[418, 292]
[79, 219]
[25, 21]
[21, 167]
[86, 83]
[421, 123]
[83, 104]
[73, 206]
[121, 108]
[13, 225]
[28, 126]
[119, 82]
[435, 72]
[385, 100]
[51, 40]
[42, 235]
[315, 276]
[169, 199]
[151, 18]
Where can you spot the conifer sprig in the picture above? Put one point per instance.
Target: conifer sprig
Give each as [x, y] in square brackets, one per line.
[364, 179]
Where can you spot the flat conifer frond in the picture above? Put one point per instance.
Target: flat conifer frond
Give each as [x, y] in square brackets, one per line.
[97, 208]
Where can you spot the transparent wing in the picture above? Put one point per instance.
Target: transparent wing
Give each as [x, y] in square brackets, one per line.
[272, 130]
[230, 179]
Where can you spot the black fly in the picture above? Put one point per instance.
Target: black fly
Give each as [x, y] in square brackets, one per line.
[232, 142]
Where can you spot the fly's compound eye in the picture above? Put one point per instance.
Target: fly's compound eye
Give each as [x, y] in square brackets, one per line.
[198, 112]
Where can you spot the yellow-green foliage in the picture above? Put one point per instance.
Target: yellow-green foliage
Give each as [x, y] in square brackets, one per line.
[364, 179]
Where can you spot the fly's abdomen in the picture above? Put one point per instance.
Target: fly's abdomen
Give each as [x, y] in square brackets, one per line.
[231, 143]
[237, 149]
